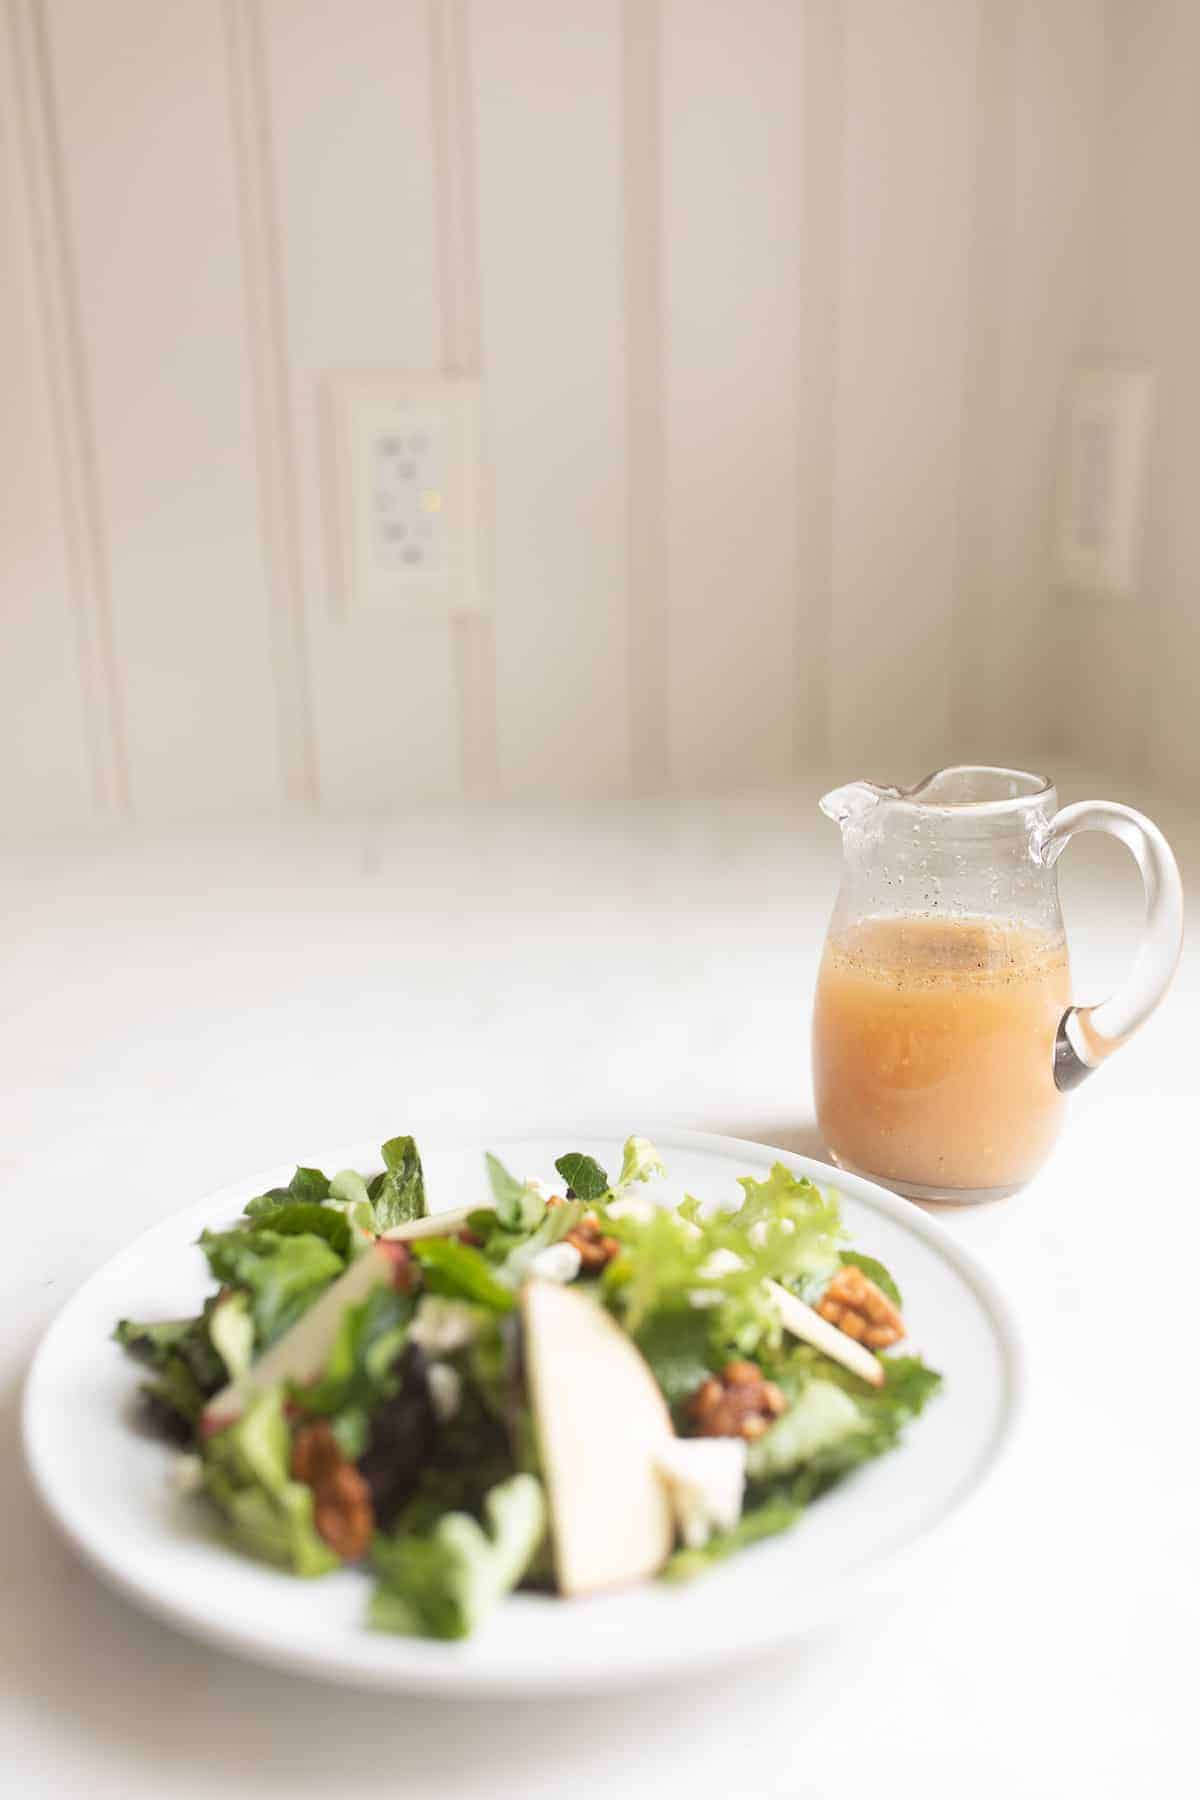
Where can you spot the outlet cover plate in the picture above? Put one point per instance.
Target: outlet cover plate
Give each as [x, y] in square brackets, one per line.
[404, 472]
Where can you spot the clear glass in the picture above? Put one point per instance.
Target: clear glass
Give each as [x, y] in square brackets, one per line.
[944, 1038]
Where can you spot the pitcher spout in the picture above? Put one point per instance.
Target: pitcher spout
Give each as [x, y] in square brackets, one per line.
[846, 805]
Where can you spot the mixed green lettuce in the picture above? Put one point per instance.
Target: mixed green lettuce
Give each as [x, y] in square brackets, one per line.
[398, 1192]
[364, 1369]
[269, 1515]
[187, 1364]
[444, 1582]
[423, 1393]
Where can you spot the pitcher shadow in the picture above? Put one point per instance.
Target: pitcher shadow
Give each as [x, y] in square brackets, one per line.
[803, 1138]
[800, 1136]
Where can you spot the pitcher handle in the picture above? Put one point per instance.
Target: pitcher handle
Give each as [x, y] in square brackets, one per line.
[1089, 1034]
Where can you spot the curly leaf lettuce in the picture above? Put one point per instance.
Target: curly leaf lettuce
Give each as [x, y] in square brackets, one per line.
[588, 1181]
[640, 1162]
[784, 1229]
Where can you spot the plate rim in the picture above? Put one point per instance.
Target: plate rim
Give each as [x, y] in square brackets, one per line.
[428, 1673]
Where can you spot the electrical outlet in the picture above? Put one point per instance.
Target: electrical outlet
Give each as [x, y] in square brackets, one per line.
[1103, 480]
[405, 466]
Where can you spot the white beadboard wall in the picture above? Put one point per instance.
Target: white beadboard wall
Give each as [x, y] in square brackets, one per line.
[1132, 668]
[773, 305]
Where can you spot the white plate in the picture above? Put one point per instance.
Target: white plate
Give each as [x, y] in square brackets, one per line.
[109, 1490]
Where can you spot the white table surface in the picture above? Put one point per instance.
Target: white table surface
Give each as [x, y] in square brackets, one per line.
[178, 1012]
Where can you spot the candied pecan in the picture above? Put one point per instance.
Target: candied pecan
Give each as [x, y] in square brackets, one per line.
[854, 1303]
[596, 1250]
[315, 1452]
[342, 1511]
[739, 1402]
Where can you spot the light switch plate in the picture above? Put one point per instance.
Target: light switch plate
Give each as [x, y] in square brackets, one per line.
[405, 474]
[1102, 493]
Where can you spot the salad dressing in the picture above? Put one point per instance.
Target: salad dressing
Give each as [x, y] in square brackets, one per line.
[933, 1048]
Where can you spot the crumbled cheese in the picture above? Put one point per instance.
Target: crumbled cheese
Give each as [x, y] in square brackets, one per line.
[557, 1262]
[721, 1262]
[445, 1390]
[187, 1473]
[705, 1479]
[443, 1325]
[633, 1206]
[759, 1230]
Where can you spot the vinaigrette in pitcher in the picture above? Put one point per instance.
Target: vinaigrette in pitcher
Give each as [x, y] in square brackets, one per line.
[944, 1038]
[935, 1049]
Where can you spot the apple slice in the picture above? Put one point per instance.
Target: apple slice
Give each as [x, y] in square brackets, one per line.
[433, 1224]
[812, 1329]
[301, 1354]
[601, 1423]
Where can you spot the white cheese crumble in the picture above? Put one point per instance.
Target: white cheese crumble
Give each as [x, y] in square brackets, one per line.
[705, 1479]
[721, 1262]
[557, 1262]
[187, 1473]
[633, 1206]
[758, 1231]
[445, 1390]
[443, 1325]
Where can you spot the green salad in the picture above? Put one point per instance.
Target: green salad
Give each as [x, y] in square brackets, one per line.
[569, 1389]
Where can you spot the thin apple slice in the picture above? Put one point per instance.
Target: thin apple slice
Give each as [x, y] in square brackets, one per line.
[301, 1354]
[601, 1423]
[808, 1325]
[433, 1224]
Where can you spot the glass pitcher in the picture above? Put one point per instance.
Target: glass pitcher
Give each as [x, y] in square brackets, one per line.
[944, 1038]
